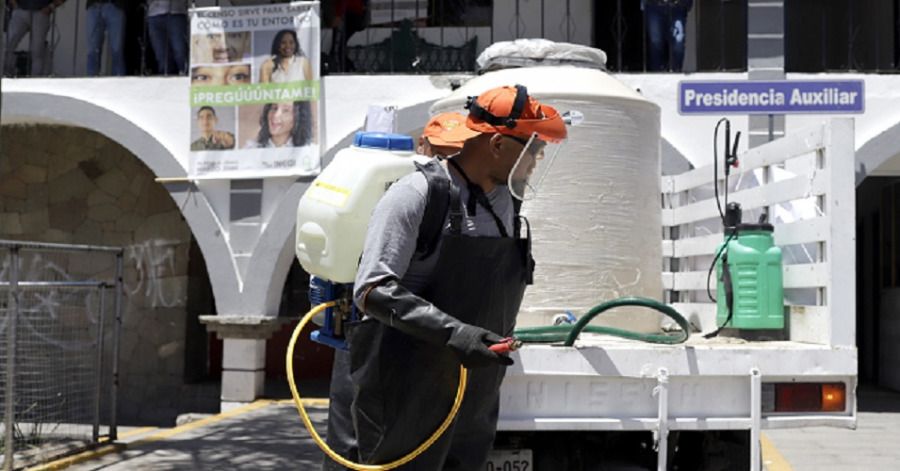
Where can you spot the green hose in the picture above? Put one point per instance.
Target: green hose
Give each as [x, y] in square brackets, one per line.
[569, 333]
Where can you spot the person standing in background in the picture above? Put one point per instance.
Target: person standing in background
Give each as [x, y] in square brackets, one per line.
[666, 22]
[33, 16]
[167, 25]
[106, 19]
[444, 135]
[349, 18]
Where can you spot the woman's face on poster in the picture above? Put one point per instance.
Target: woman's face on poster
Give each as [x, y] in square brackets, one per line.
[287, 47]
[221, 75]
[221, 47]
[281, 119]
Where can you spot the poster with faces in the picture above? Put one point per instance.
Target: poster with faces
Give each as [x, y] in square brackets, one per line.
[254, 91]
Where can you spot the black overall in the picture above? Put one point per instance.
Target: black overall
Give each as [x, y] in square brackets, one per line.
[403, 387]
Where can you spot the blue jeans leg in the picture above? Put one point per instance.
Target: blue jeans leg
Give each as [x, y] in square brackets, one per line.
[178, 41]
[95, 33]
[676, 43]
[156, 28]
[656, 19]
[115, 25]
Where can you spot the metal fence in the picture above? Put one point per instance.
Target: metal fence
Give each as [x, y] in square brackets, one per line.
[433, 36]
[60, 312]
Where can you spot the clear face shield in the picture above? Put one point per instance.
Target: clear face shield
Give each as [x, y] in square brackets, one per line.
[532, 167]
[536, 160]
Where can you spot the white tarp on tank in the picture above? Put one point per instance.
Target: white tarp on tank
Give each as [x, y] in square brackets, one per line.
[532, 52]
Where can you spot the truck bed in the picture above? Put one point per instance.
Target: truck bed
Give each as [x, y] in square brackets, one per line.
[608, 383]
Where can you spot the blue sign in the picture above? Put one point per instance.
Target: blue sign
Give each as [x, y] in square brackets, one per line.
[775, 97]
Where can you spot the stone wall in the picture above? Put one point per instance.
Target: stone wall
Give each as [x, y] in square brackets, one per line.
[71, 185]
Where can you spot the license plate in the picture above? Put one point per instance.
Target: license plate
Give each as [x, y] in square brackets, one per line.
[509, 460]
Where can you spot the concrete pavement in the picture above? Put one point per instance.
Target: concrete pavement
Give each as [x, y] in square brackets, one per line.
[268, 435]
[872, 446]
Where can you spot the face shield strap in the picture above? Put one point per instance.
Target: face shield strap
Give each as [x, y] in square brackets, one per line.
[478, 112]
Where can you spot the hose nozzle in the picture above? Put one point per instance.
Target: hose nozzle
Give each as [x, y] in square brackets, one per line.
[509, 344]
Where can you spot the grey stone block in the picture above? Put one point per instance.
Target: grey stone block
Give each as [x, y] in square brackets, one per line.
[12, 187]
[242, 386]
[32, 174]
[10, 223]
[72, 184]
[243, 354]
[68, 215]
[113, 182]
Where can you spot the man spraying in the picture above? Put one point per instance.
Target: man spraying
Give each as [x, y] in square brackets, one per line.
[430, 306]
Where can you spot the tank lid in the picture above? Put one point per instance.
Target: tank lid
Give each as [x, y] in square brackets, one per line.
[383, 140]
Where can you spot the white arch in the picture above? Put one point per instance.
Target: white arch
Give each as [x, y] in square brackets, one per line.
[45, 108]
[875, 153]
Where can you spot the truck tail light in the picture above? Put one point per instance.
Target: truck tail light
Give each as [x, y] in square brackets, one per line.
[833, 397]
[806, 397]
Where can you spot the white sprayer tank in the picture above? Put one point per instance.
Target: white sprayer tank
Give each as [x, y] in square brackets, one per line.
[334, 213]
[596, 218]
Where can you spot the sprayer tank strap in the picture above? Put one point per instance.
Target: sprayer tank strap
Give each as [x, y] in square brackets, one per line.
[476, 195]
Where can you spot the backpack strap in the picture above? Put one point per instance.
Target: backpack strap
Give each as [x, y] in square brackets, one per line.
[436, 205]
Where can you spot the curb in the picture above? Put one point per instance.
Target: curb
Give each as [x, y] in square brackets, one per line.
[72, 460]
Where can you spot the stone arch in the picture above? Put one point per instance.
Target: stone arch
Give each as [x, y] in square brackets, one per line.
[45, 108]
[73, 185]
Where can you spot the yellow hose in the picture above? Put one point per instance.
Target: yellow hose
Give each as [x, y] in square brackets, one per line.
[460, 391]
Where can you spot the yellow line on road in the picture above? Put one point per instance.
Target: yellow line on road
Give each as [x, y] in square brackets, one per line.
[772, 458]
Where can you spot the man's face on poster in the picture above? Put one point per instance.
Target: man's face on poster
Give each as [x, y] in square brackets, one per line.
[206, 121]
[221, 47]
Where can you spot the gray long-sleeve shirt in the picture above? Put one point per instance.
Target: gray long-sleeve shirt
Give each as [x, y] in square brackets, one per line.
[394, 227]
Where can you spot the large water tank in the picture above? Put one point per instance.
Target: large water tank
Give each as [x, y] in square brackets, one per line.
[596, 218]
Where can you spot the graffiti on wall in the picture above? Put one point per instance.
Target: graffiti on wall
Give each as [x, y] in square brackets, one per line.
[154, 263]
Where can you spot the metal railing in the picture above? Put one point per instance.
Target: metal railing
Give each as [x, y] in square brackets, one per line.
[804, 183]
[433, 36]
[59, 342]
[842, 35]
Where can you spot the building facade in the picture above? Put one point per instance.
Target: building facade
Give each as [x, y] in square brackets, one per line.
[104, 161]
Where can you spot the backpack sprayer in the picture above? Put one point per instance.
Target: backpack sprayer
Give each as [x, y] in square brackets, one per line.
[748, 264]
[332, 218]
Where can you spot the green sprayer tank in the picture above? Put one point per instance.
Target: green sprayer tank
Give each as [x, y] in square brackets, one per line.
[754, 263]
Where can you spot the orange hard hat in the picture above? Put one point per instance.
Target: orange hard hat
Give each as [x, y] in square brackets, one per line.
[511, 111]
[448, 130]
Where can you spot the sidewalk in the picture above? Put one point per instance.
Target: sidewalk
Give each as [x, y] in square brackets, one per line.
[266, 435]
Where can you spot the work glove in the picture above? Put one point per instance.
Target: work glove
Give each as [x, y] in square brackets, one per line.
[470, 344]
[396, 306]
